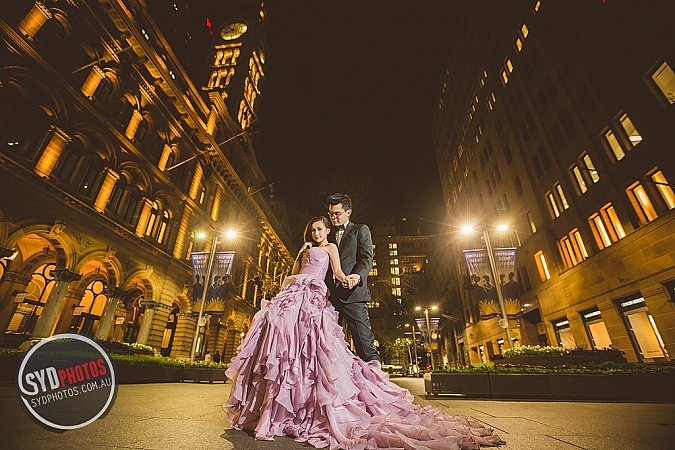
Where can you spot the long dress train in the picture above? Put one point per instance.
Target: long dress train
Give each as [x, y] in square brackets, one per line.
[295, 376]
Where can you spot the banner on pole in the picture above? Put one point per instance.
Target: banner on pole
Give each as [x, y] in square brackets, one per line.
[430, 339]
[485, 287]
[217, 289]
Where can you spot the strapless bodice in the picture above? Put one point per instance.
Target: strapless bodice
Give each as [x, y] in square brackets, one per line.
[315, 262]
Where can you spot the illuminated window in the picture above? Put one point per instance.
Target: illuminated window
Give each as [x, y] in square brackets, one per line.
[572, 249]
[519, 44]
[540, 260]
[606, 226]
[615, 145]
[554, 205]
[525, 31]
[373, 272]
[393, 262]
[641, 202]
[633, 136]
[394, 270]
[537, 6]
[505, 76]
[581, 183]
[393, 245]
[396, 291]
[665, 190]
[563, 199]
[665, 80]
[509, 65]
[393, 252]
[595, 177]
[396, 281]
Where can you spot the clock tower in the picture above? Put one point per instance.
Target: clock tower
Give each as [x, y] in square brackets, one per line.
[236, 69]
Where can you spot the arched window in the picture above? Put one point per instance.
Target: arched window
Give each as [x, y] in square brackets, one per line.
[124, 112]
[115, 201]
[27, 133]
[37, 292]
[103, 90]
[91, 177]
[163, 226]
[88, 313]
[68, 160]
[153, 220]
[201, 197]
[131, 205]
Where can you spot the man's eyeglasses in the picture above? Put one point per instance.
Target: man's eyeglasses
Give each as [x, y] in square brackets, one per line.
[336, 214]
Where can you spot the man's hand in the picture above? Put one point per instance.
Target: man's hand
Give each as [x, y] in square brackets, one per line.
[352, 281]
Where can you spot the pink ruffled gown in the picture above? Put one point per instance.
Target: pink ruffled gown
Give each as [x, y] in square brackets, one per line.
[295, 376]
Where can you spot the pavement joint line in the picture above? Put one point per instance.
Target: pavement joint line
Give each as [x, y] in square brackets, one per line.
[566, 442]
[483, 412]
[490, 425]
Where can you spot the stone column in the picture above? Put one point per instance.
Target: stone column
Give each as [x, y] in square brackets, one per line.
[52, 151]
[134, 122]
[33, 21]
[144, 218]
[149, 314]
[96, 75]
[106, 322]
[50, 312]
[13, 283]
[107, 186]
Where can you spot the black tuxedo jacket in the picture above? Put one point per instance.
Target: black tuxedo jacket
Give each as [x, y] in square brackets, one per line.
[356, 256]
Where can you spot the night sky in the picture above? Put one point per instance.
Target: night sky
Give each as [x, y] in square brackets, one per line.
[348, 101]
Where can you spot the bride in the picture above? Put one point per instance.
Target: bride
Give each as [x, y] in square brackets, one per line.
[295, 376]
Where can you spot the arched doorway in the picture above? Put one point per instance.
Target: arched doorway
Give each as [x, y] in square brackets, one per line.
[29, 303]
[134, 304]
[87, 315]
[26, 283]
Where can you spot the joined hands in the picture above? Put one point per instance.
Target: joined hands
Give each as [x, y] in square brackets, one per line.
[351, 281]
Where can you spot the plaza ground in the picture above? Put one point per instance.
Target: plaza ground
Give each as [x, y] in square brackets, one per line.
[189, 416]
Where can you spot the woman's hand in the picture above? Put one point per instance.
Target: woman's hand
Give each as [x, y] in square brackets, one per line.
[306, 246]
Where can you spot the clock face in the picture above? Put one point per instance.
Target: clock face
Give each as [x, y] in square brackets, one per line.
[233, 31]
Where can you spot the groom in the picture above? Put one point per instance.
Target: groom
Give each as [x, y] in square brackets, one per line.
[356, 259]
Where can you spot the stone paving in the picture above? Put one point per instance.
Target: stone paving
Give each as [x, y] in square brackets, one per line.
[189, 416]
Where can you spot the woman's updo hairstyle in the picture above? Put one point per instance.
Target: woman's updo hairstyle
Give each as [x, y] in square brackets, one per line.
[308, 228]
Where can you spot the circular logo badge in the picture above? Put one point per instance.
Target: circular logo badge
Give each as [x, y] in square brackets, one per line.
[66, 381]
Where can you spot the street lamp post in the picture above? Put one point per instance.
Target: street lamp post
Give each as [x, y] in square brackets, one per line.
[426, 315]
[495, 276]
[504, 322]
[207, 282]
[416, 368]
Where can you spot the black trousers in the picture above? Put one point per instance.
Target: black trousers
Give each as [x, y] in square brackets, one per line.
[358, 321]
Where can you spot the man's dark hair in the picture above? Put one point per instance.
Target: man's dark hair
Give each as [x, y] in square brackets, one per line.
[340, 199]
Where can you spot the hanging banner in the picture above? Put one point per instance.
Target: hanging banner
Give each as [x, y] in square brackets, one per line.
[485, 287]
[430, 341]
[217, 289]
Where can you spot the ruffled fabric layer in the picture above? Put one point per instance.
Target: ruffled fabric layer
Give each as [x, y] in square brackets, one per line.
[295, 376]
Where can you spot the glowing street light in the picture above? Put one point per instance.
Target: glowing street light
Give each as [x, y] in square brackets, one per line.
[209, 268]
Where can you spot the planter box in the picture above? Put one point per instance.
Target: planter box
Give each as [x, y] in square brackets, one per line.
[8, 369]
[644, 387]
[204, 374]
[582, 386]
[472, 384]
[556, 360]
[521, 385]
[147, 373]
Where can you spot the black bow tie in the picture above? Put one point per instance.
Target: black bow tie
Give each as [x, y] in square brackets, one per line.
[340, 228]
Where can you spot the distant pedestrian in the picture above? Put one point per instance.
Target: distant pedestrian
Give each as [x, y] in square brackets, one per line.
[207, 357]
[216, 357]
